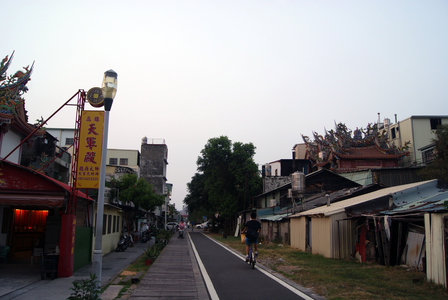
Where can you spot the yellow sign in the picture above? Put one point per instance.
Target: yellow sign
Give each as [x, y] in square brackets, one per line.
[89, 152]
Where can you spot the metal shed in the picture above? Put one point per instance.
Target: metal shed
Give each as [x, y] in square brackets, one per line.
[328, 231]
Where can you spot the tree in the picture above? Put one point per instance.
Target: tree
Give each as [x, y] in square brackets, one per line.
[438, 168]
[129, 189]
[137, 191]
[228, 177]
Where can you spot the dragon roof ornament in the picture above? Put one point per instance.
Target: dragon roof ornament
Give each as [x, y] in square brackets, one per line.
[11, 89]
[12, 105]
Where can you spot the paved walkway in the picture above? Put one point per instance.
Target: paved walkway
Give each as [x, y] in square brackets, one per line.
[23, 281]
[174, 275]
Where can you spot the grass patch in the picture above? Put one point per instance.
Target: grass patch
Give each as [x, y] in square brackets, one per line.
[342, 279]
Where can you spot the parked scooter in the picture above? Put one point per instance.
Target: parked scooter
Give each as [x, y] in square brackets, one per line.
[124, 242]
[131, 240]
[146, 236]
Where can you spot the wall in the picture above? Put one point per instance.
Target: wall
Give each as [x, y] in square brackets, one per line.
[153, 165]
[273, 182]
[331, 236]
[110, 240]
[298, 233]
[8, 142]
[435, 248]
[61, 134]
[300, 151]
[276, 231]
[343, 236]
[417, 130]
[321, 236]
[2, 235]
[131, 155]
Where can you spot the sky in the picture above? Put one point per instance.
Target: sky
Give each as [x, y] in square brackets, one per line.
[261, 72]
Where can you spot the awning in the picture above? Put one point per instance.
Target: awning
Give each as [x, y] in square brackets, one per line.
[20, 185]
[37, 200]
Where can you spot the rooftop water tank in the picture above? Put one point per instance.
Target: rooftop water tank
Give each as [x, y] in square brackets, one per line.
[298, 182]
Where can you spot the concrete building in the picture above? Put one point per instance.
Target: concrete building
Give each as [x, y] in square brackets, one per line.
[153, 166]
[124, 158]
[64, 139]
[417, 134]
[154, 161]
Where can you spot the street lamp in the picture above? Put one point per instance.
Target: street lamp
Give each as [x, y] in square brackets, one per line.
[109, 89]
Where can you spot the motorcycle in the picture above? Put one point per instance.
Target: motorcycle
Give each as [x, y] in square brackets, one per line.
[124, 243]
[146, 236]
[181, 234]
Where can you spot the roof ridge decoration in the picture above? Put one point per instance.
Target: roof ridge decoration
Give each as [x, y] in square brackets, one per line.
[12, 88]
[12, 104]
[342, 142]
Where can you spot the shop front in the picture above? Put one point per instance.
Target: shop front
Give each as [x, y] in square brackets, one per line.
[32, 207]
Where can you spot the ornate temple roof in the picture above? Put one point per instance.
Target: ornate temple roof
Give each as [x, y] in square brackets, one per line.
[369, 152]
[12, 105]
[340, 144]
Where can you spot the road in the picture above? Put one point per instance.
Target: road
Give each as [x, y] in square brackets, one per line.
[229, 277]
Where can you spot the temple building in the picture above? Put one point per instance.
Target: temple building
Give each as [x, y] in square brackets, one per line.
[341, 151]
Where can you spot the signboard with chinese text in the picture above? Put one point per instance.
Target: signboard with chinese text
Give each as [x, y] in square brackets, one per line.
[90, 146]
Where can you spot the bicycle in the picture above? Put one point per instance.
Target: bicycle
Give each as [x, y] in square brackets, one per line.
[252, 260]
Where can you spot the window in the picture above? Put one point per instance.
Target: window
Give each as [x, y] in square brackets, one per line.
[428, 156]
[123, 161]
[109, 224]
[69, 141]
[118, 223]
[392, 132]
[104, 224]
[115, 224]
[113, 161]
[435, 123]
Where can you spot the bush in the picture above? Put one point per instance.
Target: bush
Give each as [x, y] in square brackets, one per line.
[87, 289]
[163, 236]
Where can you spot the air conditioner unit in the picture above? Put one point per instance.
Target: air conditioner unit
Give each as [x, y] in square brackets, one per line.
[273, 202]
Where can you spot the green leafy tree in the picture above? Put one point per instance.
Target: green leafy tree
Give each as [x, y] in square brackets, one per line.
[138, 192]
[197, 199]
[228, 178]
[129, 189]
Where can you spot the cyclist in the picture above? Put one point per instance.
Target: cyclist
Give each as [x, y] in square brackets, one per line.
[252, 230]
[181, 228]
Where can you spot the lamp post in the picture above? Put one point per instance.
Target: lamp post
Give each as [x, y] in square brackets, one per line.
[109, 90]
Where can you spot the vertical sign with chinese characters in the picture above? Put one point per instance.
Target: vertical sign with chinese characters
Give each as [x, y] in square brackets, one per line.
[90, 146]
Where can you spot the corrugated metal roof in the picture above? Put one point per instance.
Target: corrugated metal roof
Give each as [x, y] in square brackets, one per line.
[273, 218]
[419, 193]
[432, 199]
[340, 206]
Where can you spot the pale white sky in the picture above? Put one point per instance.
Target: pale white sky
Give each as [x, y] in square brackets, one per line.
[256, 71]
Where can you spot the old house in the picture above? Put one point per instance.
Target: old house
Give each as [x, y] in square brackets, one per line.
[274, 206]
[400, 225]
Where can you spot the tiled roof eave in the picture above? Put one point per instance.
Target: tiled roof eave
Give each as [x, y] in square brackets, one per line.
[384, 157]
